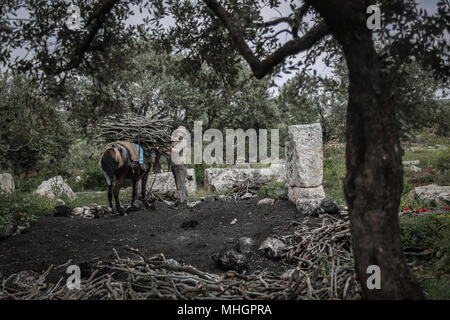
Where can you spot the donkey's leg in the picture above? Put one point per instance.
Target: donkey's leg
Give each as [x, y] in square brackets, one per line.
[110, 195]
[119, 182]
[133, 196]
[144, 186]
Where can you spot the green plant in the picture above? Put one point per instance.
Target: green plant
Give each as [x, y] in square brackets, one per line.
[334, 173]
[437, 288]
[200, 171]
[24, 207]
[92, 178]
[274, 190]
[429, 231]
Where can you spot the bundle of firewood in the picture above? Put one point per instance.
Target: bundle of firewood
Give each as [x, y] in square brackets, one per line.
[149, 133]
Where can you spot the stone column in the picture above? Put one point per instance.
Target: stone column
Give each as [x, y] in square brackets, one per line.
[304, 166]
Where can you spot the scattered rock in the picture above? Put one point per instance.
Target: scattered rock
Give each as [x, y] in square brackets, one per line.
[231, 260]
[244, 245]
[173, 262]
[266, 201]
[273, 248]
[329, 205]
[223, 197]
[193, 204]
[412, 168]
[89, 214]
[77, 178]
[411, 163]
[62, 211]
[304, 156]
[209, 199]
[78, 211]
[189, 224]
[21, 229]
[100, 211]
[307, 200]
[137, 205]
[288, 274]
[6, 183]
[309, 207]
[55, 187]
[432, 195]
[233, 221]
[247, 195]
[169, 203]
[7, 230]
[60, 202]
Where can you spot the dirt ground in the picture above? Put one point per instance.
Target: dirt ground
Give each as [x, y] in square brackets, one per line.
[189, 236]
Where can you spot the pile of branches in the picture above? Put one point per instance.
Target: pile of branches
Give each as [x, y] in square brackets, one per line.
[325, 272]
[149, 133]
[249, 185]
[324, 258]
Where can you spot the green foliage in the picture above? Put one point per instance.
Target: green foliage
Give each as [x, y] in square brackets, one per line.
[429, 231]
[30, 205]
[88, 199]
[33, 133]
[200, 171]
[437, 288]
[441, 120]
[307, 99]
[274, 190]
[334, 172]
[92, 178]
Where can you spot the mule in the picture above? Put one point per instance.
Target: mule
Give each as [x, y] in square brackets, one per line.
[111, 167]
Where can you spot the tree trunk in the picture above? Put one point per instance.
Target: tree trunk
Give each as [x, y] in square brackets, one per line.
[373, 184]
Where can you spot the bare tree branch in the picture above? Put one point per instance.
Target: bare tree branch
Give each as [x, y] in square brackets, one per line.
[94, 24]
[262, 68]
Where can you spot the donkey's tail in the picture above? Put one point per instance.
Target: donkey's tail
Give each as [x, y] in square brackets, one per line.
[110, 162]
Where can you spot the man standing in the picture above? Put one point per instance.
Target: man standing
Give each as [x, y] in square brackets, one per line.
[178, 164]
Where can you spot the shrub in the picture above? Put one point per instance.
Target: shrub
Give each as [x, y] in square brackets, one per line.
[274, 190]
[437, 288]
[92, 178]
[200, 171]
[29, 205]
[426, 231]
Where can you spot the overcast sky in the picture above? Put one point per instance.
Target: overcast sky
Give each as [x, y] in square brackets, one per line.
[268, 14]
[284, 10]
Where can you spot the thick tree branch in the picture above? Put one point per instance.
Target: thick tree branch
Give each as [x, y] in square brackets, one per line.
[277, 21]
[94, 24]
[264, 67]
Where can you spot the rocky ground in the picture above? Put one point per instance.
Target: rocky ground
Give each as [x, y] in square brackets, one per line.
[193, 236]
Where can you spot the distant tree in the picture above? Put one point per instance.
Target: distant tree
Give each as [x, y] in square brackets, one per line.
[31, 128]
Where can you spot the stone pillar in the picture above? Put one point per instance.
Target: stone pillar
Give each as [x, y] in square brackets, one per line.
[304, 166]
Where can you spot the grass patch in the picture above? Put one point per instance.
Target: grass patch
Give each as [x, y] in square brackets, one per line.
[274, 190]
[429, 231]
[437, 288]
[24, 207]
[334, 172]
[89, 199]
